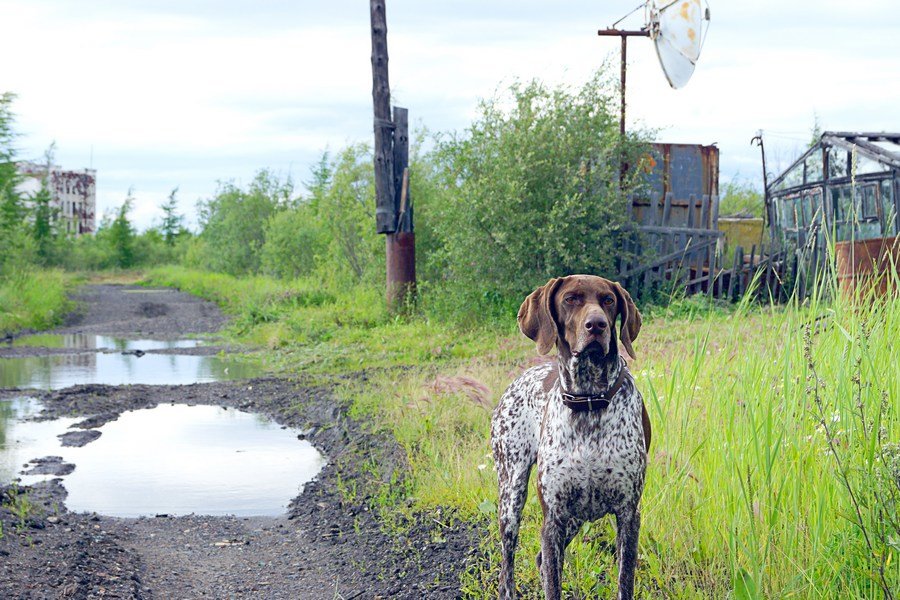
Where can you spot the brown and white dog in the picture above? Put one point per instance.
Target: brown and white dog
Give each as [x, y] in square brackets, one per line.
[581, 419]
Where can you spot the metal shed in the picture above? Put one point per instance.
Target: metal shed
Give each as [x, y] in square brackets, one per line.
[677, 216]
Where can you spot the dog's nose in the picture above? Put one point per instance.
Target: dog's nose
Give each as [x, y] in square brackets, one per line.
[595, 323]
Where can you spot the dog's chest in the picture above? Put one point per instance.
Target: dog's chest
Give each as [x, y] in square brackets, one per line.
[592, 463]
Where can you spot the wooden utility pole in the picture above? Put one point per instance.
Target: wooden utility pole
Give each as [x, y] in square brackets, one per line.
[393, 207]
[385, 211]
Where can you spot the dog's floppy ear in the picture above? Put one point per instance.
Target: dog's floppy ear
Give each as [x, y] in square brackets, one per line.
[631, 319]
[536, 316]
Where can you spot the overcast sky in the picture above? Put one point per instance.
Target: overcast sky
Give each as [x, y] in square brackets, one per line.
[155, 94]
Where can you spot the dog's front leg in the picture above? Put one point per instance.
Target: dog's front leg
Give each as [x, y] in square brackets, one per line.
[551, 560]
[628, 527]
[513, 491]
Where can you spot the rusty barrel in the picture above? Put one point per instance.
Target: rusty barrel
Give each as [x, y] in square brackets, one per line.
[864, 266]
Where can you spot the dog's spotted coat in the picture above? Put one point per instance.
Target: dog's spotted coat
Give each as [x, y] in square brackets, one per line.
[590, 464]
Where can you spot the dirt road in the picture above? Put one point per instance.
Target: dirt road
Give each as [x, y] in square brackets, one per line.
[326, 546]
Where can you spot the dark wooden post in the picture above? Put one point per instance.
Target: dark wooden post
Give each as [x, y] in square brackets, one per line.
[401, 166]
[391, 180]
[385, 209]
[401, 245]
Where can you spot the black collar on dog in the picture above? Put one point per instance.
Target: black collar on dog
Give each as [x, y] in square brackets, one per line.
[590, 402]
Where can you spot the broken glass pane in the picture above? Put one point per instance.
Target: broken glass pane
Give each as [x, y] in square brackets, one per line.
[869, 206]
[888, 207]
[814, 168]
[837, 163]
[864, 165]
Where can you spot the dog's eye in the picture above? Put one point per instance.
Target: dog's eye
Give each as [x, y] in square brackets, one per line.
[571, 300]
[608, 301]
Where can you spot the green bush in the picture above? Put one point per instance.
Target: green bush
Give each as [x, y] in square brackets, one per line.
[741, 199]
[295, 240]
[530, 191]
[233, 223]
[343, 199]
[19, 251]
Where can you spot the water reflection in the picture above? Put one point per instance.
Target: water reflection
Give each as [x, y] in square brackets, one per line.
[22, 440]
[171, 459]
[53, 372]
[90, 341]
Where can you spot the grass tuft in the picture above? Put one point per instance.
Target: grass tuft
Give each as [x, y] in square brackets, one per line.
[33, 300]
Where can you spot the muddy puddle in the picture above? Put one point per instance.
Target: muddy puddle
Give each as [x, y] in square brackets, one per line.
[98, 359]
[171, 459]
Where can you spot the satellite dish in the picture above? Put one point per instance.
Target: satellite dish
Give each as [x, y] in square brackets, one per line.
[677, 31]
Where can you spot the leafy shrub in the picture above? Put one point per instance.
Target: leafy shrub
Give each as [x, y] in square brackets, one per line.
[343, 199]
[234, 222]
[741, 199]
[533, 192]
[19, 251]
[294, 242]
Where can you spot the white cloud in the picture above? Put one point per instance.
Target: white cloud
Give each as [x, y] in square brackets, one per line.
[163, 94]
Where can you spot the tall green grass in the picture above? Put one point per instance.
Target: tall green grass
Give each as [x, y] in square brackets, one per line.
[775, 466]
[34, 299]
[313, 326]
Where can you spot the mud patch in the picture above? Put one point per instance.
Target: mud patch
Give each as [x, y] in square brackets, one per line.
[48, 465]
[152, 310]
[77, 439]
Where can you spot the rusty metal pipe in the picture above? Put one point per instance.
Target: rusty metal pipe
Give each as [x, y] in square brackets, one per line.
[400, 250]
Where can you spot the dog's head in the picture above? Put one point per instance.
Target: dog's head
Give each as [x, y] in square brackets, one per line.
[578, 314]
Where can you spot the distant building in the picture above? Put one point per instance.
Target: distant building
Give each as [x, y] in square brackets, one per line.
[73, 194]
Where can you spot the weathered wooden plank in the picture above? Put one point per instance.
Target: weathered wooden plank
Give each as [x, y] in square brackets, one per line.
[385, 200]
[401, 164]
[690, 231]
[751, 271]
[653, 209]
[680, 244]
[651, 241]
[704, 213]
[677, 255]
[699, 280]
[691, 212]
[720, 279]
[738, 252]
[667, 209]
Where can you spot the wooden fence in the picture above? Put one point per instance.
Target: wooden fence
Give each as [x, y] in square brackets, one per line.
[680, 248]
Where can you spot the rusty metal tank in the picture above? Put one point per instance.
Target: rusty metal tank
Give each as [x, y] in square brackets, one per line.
[868, 268]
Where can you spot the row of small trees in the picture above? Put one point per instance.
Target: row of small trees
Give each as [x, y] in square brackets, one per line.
[532, 189]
